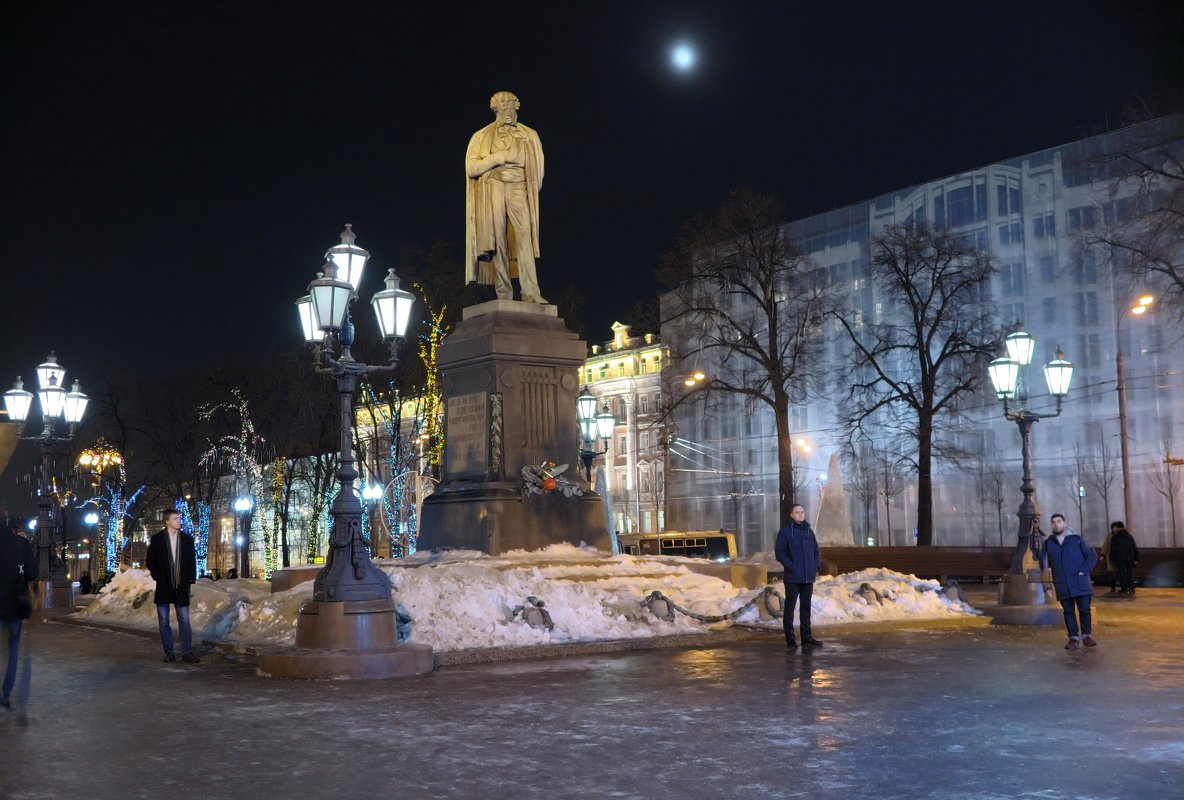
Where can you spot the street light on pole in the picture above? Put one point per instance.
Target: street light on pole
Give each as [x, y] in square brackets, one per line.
[593, 425]
[1138, 308]
[351, 606]
[242, 541]
[1009, 378]
[56, 403]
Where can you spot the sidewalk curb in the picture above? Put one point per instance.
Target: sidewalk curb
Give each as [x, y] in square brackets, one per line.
[491, 655]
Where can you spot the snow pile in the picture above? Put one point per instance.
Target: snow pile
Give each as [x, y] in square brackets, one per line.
[461, 599]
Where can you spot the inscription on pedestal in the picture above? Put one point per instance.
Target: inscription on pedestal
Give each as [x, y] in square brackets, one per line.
[466, 448]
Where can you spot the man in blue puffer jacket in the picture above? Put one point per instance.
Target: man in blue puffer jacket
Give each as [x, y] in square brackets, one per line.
[1071, 561]
[797, 550]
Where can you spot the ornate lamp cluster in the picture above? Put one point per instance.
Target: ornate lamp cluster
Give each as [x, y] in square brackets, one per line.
[56, 403]
[593, 425]
[324, 317]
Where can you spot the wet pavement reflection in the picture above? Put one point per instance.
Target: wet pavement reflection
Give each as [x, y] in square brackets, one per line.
[952, 710]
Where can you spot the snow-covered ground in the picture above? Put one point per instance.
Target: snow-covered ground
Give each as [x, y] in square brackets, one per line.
[464, 599]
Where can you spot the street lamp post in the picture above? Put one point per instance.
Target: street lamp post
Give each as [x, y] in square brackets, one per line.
[592, 425]
[349, 578]
[1138, 309]
[1010, 383]
[242, 539]
[56, 403]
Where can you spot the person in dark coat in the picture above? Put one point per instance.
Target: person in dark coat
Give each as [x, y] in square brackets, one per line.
[1071, 560]
[797, 550]
[84, 583]
[18, 568]
[1124, 554]
[172, 560]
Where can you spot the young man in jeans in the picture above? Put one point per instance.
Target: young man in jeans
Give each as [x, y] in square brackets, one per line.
[1071, 561]
[172, 560]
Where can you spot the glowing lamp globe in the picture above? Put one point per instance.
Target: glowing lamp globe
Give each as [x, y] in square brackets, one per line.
[308, 321]
[17, 401]
[330, 299]
[349, 258]
[605, 422]
[1004, 374]
[1059, 374]
[75, 404]
[392, 307]
[1020, 347]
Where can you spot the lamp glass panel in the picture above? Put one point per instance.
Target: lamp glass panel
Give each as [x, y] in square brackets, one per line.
[17, 402]
[52, 400]
[329, 301]
[50, 374]
[403, 302]
[384, 310]
[1004, 373]
[308, 322]
[75, 405]
[1059, 374]
[586, 406]
[588, 429]
[1020, 347]
[605, 422]
[350, 263]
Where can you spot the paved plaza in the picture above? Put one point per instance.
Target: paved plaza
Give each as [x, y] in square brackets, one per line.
[957, 709]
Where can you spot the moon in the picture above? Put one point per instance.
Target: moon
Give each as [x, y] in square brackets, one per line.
[682, 56]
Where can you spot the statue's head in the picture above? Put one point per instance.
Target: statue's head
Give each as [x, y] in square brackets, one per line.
[505, 107]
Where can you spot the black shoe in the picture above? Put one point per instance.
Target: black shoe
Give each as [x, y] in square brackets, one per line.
[791, 645]
[169, 656]
[812, 642]
[190, 658]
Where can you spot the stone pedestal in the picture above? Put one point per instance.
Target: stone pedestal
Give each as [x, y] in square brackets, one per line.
[509, 381]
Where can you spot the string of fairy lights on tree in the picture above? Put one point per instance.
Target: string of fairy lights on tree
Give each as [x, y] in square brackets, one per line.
[202, 539]
[100, 460]
[238, 452]
[429, 349]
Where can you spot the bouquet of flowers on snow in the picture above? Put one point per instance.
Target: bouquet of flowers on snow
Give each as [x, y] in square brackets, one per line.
[545, 479]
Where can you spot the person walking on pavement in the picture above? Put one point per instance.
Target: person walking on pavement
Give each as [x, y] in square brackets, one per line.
[1104, 557]
[18, 568]
[1124, 554]
[797, 550]
[172, 560]
[1071, 560]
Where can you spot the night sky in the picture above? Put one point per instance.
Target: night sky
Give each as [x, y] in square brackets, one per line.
[171, 173]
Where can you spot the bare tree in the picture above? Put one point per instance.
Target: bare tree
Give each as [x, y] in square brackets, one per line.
[1076, 481]
[1139, 220]
[911, 368]
[1165, 478]
[863, 480]
[737, 280]
[1102, 471]
[890, 483]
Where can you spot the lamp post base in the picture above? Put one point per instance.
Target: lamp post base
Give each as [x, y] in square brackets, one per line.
[54, 596]
[347, 640]
[1023, 601]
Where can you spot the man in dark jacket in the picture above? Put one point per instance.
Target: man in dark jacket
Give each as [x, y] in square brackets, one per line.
[18, 568]
[797, 550]
[1071, 560]
[172, 560]
[1124, 554]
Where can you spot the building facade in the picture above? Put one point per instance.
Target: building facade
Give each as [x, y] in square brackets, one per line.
[1041, 217]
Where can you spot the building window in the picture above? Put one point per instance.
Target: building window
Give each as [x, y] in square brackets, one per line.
[1011, 233]
[603, 371]
[960, 206]
[1013, 279]
[645, 365]
[1081, 218]
[645, 442]
[1085, 308]
[1048, 272]
[1008, 198]
[1085, 268]
[646, 520]
[623, 444]
[1044, 226]
[644, 401]
[1050, 309]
